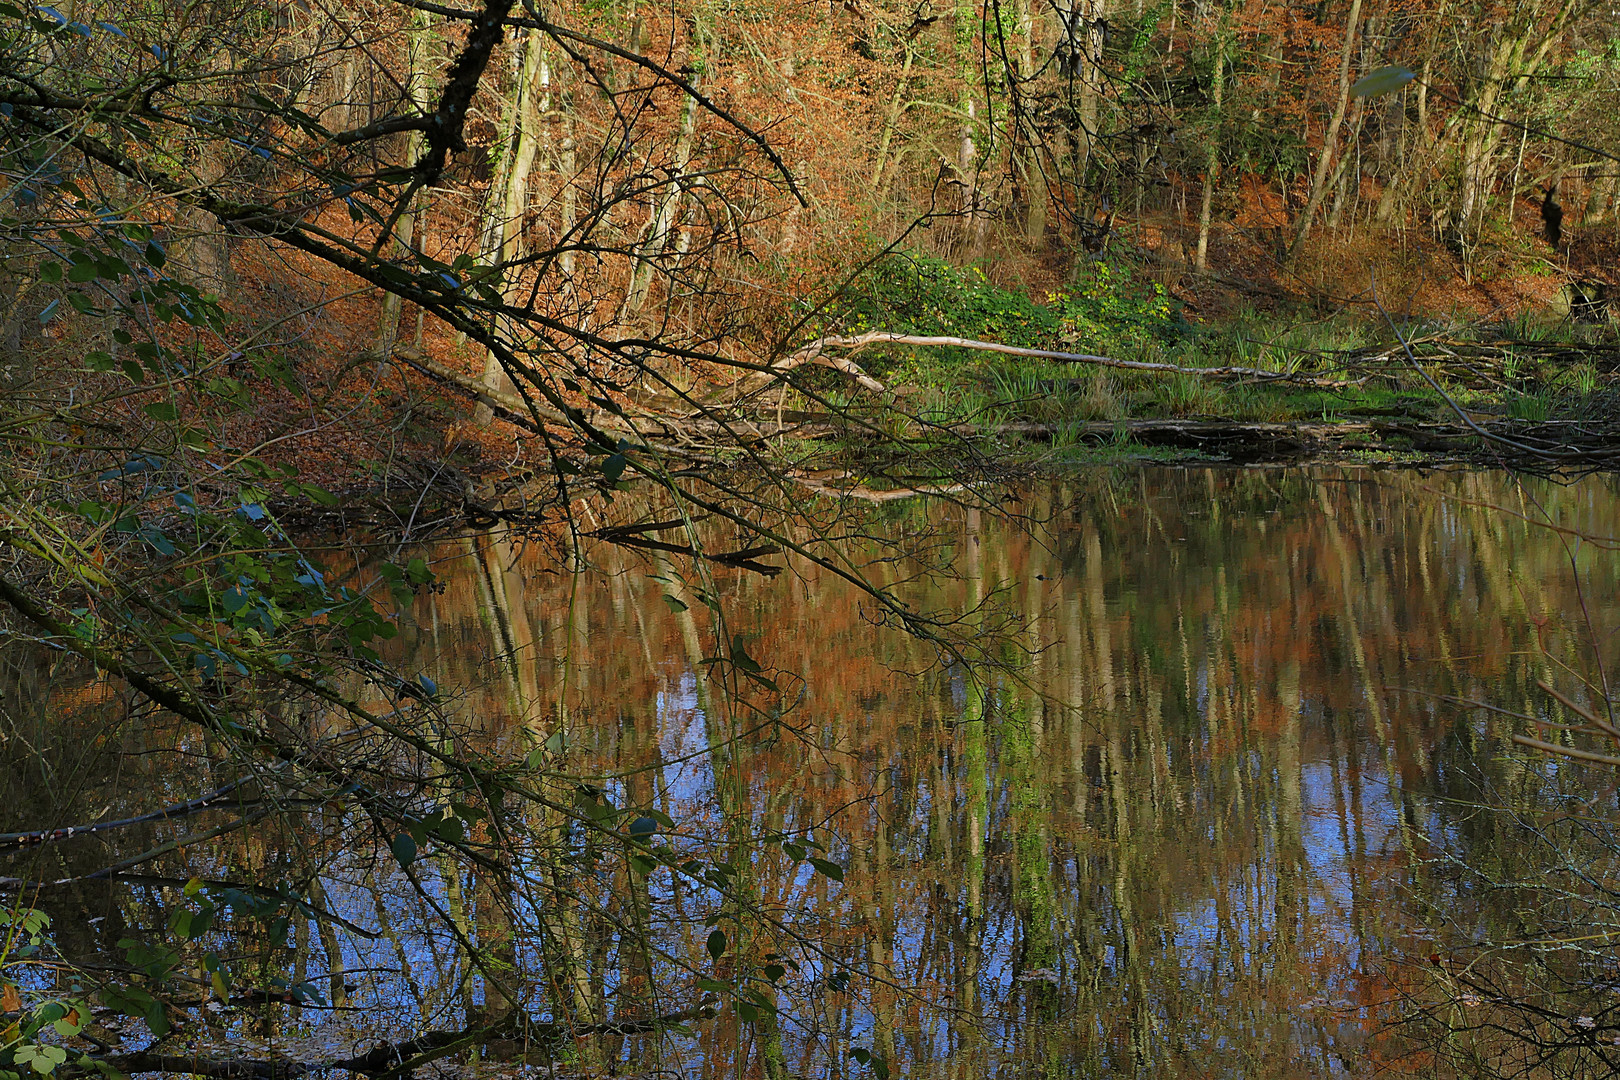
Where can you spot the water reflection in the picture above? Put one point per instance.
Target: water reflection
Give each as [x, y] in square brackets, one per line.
[1183, 828]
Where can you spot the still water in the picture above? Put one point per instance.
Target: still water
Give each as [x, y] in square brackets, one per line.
[1212, 793]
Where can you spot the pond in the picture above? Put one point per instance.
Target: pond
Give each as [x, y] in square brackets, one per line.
[1221, 784]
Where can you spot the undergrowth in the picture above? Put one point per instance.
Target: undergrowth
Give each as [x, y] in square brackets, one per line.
[1522, 370]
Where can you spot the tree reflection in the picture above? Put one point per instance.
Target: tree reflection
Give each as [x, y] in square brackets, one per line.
[1196, 821]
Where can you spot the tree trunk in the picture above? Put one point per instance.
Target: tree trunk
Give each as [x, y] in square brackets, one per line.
[417, 88]
[1516, 52]
[1027, 163]
[524, 111]
[967, 164]
[1343, 174]
[891, 119]
[1330, 137]
[1212, 160]
[1079, 58]
[666, 206]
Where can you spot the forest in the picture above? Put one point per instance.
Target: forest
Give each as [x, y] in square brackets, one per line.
[752, 539]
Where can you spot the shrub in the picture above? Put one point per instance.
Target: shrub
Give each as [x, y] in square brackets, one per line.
[1104, 309]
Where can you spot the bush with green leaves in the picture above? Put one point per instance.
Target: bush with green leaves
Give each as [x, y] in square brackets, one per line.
[35, 1014]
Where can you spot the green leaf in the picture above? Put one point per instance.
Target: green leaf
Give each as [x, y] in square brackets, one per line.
[319, 494]
[404, 849]
[717, 944]
[50, 273]
[133, 1001]
[220, 981]
[1386, 80]
[740, 657]
[828, 869]
[675, 603]
[134, 372]
[44, 1059]
[163, 411]
[99, 361]
[82, 272]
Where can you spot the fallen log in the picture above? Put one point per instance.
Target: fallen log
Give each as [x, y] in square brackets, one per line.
[811, 353]
[815, 353]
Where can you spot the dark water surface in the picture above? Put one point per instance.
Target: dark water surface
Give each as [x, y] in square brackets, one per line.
[1211, 813]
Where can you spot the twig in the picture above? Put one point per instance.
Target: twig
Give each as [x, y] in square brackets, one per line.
[1607, 728]
[1566, 751]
